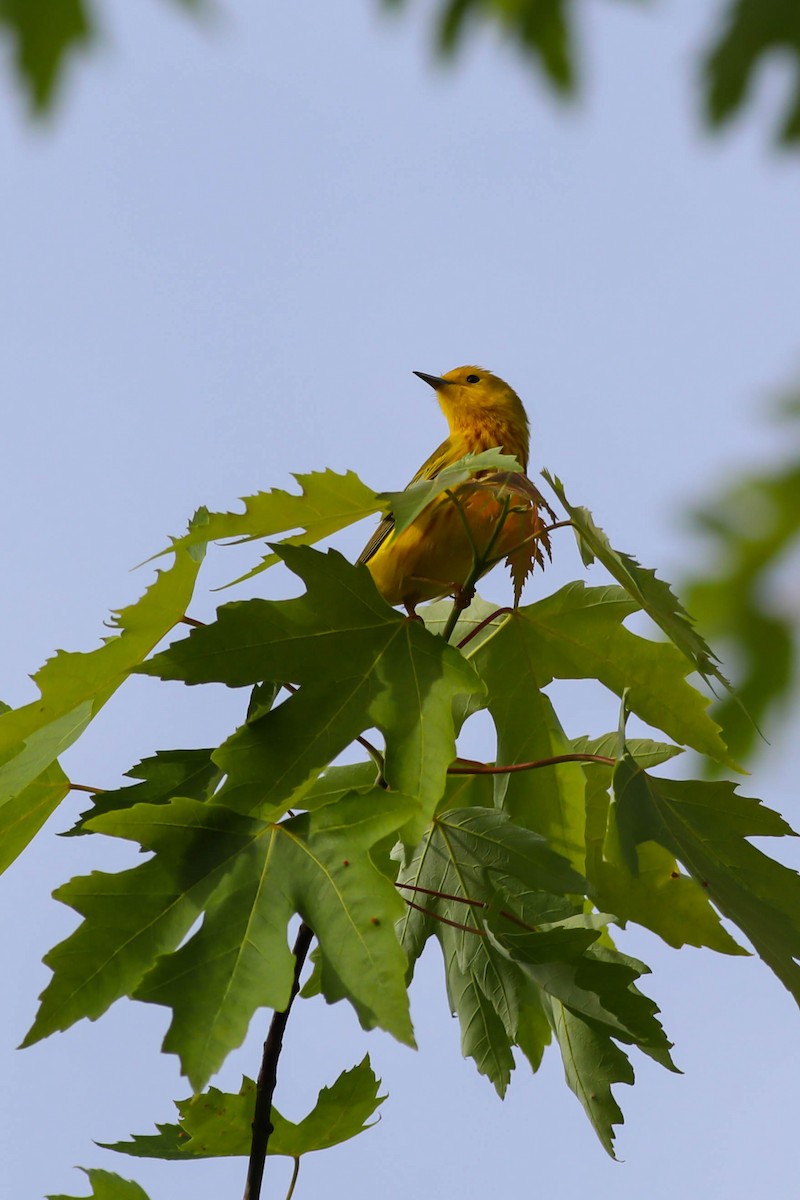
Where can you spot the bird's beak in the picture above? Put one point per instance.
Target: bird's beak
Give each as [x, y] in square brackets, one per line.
[434, 380]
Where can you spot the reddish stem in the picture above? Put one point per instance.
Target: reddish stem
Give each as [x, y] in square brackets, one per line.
[511, 768]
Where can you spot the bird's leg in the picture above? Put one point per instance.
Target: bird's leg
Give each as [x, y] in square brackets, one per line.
[411, 611]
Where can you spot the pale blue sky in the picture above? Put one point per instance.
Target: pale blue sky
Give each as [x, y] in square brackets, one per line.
[221, 263]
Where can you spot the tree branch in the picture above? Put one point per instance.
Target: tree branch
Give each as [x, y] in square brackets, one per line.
[268, 1075]
[480, 563]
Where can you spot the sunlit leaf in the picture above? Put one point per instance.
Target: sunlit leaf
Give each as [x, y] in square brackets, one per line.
[578, 633]
[407, 505]
[218, 1124]
[107, 1186]
[327, 503]
[75, 686]
[651, 594]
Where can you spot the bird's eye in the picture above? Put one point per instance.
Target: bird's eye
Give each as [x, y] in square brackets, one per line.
[473, 379]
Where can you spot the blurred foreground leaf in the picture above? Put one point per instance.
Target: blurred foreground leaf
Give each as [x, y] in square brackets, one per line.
[752, 529]
[754, 31]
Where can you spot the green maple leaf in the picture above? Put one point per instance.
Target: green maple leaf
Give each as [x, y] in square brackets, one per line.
[23, 815]
[592, 1063]
[107, 1186]
[337, 781]
[659, 896]
[548, 801]
[578, 633]
[358, 664]
[166, 774]
[248, 878]
[706, 825]
[469, 856]
[218, 1124]
[407, 505]
[651, 594]
[133, 916]
[599, 987]
[74, 687]
[327, 503]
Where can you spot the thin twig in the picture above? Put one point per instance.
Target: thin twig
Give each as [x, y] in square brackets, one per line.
[413, 887]
[293, 1180]
[510, 768]
[498, 612]
[268, 1075]
[191, 621]
[444, 921]
[467, 527]
[416, 887]
[480, 562]
[84, 787]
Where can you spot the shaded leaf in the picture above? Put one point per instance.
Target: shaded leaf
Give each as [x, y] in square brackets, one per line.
[249, 878]
[166, 774]
[549, 801]
[706, 826]
[659, 896]
[133, 916]
[592, 1063]
[468, 859]
[359, 665]
[593, 981]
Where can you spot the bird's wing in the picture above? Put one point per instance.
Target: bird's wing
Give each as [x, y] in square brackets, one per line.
[441, 456]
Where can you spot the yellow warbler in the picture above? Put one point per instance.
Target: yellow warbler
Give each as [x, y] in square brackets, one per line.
[456, 538]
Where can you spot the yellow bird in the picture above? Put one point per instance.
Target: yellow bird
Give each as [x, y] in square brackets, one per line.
[437, 554]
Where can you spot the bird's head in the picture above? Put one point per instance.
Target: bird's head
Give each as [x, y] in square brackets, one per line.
[470, 395]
